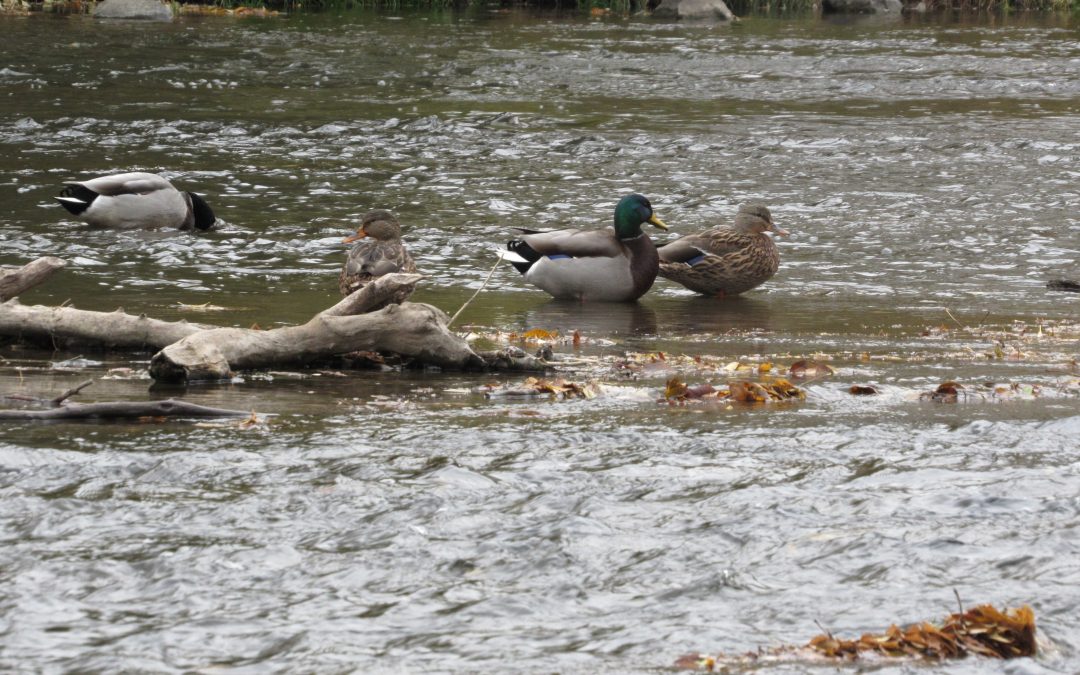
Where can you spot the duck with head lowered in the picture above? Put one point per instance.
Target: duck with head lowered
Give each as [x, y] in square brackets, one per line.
[725, 260]
[137, 200]
[613, 264]
[379, 252]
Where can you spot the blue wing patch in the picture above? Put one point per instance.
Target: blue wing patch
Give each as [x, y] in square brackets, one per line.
[560, 256]
[696, 260]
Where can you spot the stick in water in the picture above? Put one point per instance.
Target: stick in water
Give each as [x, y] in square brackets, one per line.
[467, 302]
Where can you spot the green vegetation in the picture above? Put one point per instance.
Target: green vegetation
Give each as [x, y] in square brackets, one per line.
[595, 7]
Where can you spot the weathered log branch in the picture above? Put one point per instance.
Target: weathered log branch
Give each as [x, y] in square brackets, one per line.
[122, 410]
[388, 289]
[189, 351]
[412, 330]
[67, 325]
[17, 280]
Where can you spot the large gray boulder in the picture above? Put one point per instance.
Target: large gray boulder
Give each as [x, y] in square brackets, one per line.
[859, 6]
[693, 9]
[142, 10]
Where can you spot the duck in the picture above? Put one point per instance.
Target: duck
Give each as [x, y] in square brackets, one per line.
[726, 260]
[379, 252]
[611, 264]
[135, 200]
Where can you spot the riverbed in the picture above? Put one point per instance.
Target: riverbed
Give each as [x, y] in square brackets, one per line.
[928, 170]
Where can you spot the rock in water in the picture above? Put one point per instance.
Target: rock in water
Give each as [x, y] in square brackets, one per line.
[142, 10]
[693, 9]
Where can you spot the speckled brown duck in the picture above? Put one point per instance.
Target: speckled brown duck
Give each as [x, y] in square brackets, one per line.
[725, 260]
[379, 252]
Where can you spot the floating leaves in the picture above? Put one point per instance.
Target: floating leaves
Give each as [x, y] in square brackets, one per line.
[807, 369]
[739, 391]
[981, 631]
[558, 389]
[946, 392]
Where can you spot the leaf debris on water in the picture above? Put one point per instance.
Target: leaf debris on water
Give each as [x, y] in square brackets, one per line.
[559, 388]
[739, 391]
[980, 631]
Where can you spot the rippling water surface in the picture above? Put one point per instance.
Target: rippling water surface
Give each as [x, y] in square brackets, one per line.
[928, 171]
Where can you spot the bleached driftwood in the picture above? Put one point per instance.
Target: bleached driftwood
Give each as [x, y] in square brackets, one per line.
[14, 281]
[413, 330]
[390, 288]
[122, 410]
[62, 326]
[189, 351]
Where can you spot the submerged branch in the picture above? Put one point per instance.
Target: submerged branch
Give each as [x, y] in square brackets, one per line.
[122, 410]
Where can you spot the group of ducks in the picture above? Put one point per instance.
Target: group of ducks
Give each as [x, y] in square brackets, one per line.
[611, 264]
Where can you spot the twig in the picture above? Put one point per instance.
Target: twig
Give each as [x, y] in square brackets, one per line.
[71, 392]
[960, 616]
[469, 301]
[954, 318]
[824, 629]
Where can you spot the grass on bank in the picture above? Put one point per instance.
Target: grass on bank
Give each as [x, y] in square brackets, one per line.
[597, 7]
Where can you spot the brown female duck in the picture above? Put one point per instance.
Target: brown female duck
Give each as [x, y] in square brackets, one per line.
[379, 252]
[725, 260]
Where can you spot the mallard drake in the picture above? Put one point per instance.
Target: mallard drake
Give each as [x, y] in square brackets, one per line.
[613, 264]
[137, 200]
[381, 251]
[725, 260]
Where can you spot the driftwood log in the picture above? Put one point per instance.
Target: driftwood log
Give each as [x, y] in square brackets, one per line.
[14, 281]
[375, 318]
[63, 326]
[122, 410]
[409, 329]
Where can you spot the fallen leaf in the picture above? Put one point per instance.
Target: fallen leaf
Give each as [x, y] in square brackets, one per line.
[539, 334]
[807, 368]
[862, 390]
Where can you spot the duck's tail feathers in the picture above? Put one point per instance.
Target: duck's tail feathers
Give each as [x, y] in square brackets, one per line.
[204, 215]
[520, 254]
[76, 198]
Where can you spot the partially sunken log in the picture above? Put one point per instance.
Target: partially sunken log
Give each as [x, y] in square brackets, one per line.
[66, 326]
[122, 410]
[187, 351]
[14, 281]
[412, 330]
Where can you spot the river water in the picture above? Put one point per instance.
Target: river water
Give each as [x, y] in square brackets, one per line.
[928, 170]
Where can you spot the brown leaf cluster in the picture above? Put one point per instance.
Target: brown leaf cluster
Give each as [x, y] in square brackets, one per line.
[533, 386]
[947, 392]
[806, 369]
[739, 391]
[980, 631]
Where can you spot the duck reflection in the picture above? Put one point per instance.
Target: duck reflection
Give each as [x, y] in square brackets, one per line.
[607, 318]
[690, 315]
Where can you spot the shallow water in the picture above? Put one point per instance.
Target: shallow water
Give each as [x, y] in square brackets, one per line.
[927, 170]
